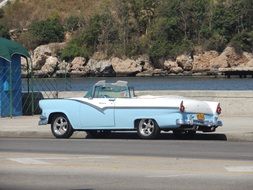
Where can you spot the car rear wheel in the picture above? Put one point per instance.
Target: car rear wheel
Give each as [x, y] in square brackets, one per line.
[148, 129]
[61, 127]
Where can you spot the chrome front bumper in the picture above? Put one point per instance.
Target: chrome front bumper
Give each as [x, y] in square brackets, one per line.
[205, 123]
[43, 120]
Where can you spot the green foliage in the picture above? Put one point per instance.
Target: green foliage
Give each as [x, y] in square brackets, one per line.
[215, 42]
[73, 23]
[1, 13]
[230, 19]
[243, 41]
[183, 46]
[4, 31]
[74, 49]
[165, 35]
[47, 31]
[86, 42]
[28, 40]
[100, 34]
[224, 21]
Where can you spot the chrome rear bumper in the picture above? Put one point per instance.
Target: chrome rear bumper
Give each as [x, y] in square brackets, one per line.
[206, 123]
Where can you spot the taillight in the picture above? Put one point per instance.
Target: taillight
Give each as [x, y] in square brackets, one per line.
[182, 108]
[218, 110]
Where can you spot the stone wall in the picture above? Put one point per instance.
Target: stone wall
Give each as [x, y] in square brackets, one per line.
[46, 63]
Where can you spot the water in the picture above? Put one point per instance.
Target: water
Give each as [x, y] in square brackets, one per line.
[147, 83]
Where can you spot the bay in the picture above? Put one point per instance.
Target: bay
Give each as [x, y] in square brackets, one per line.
[145, 83]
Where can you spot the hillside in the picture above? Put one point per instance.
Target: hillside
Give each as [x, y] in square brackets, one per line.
[125, 28]
[21, 13]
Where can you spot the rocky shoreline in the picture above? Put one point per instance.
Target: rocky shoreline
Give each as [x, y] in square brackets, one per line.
[46, 63]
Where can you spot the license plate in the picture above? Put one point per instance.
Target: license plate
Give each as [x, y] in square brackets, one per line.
[201, 116]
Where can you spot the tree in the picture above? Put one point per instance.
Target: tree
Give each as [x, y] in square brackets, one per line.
[108, 38]
[47, 31]
[85, 44]
[168, 32]
[1, 13]
[232, 18]
[243, 41]
[73, 23]
[4, 31]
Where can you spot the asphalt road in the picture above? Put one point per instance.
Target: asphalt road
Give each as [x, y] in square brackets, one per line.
[125, 164]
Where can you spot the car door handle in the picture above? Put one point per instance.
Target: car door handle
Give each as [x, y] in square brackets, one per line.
[111, 99]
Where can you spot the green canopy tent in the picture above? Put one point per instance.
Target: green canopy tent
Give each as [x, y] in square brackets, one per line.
[10, 77]
[8, 48]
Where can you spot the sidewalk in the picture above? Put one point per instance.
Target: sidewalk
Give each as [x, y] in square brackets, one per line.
[234, 129]
[27, 127]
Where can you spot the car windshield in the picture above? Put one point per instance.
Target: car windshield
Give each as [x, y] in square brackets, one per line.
[109, 91]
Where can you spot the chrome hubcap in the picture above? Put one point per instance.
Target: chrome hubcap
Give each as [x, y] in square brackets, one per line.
[146, 127]
[60, 125]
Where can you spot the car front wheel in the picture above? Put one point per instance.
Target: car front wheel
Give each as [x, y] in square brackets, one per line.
[148, 129]
[61, 127]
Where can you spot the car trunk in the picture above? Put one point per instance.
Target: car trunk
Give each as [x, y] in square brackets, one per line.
[196, 106]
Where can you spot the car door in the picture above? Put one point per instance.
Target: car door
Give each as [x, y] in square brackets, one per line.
[97, 113]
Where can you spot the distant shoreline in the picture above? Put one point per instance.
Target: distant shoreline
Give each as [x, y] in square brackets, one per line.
[198, 75]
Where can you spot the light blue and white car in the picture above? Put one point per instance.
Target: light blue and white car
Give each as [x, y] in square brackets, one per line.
[111, 107]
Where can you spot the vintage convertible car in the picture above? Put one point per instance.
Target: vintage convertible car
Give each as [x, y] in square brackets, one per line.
[111, 107]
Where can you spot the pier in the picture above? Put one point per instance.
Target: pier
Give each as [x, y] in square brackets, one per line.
[241, 72]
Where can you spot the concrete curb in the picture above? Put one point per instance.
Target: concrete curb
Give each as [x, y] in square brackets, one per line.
[240, 137]
[230, 137]
[35, 134]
